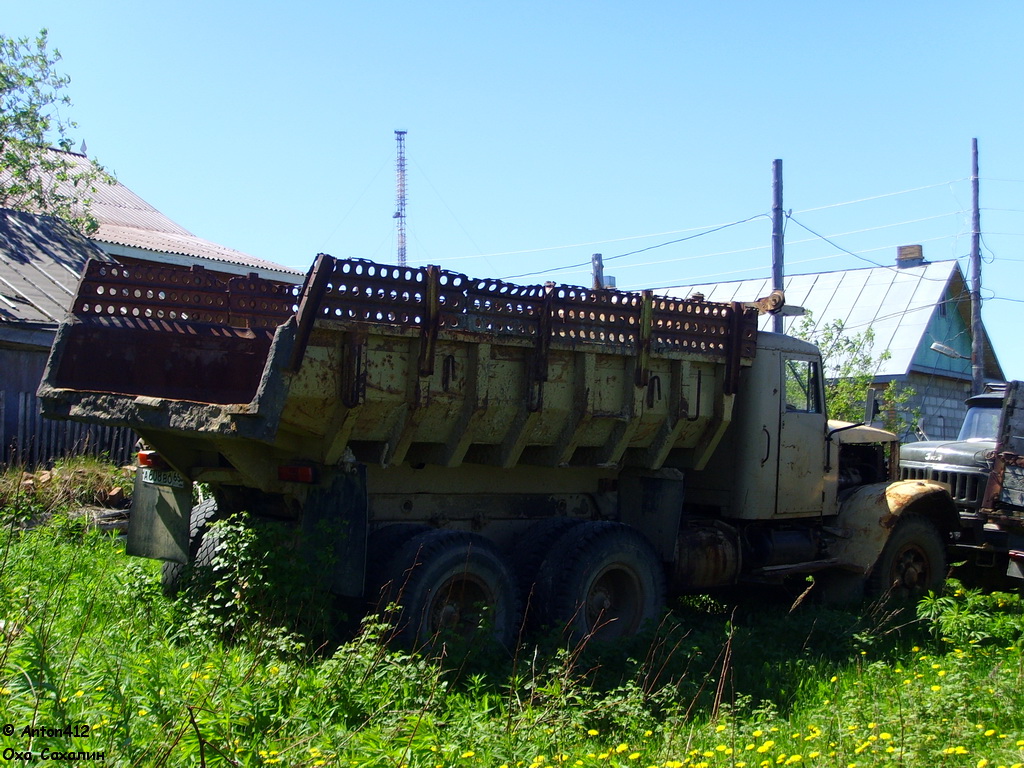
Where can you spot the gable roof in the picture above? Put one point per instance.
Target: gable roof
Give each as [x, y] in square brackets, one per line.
[897, 303]
[126, 220]
[41, 258]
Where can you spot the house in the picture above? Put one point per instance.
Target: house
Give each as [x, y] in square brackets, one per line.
[41, 259]
[132, 230]
[909, 306]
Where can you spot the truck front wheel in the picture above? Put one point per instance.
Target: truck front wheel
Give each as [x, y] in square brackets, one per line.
[912, 562]
[451, 585]
[601, 580]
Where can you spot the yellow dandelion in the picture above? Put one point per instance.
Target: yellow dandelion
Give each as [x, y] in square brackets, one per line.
[719, 728]
[990, 732]
[936, 688]
[467, 753]
[592, 732]
[622, 748]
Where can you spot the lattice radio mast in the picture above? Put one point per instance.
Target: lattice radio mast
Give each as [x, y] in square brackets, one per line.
[400, 196]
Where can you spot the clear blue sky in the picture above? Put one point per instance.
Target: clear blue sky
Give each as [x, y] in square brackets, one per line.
[542, 132]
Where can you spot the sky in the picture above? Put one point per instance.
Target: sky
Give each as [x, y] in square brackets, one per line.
[539, 133]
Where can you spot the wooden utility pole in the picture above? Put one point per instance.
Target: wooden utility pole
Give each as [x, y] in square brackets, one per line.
[778, 272]
[977, 341]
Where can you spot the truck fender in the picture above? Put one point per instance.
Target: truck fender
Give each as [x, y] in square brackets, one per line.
[868, 514]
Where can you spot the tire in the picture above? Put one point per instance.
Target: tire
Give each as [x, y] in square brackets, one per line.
[912, 562]
[381, 547]
[529, 552]
[440, 580]
[601, 580]
[200, 547]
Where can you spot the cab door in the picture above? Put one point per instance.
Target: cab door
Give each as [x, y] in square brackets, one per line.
[800, 468]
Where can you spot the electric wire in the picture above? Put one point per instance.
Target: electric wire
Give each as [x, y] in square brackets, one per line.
[641, 250]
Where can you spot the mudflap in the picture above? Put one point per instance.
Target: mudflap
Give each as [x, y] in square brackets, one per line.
[158, 525]
[334, 531]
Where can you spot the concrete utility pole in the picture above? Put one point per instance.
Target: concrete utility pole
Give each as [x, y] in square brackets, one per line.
[778, 245]
[977, 342]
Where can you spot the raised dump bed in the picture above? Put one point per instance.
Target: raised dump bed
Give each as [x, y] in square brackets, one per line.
[398, 364]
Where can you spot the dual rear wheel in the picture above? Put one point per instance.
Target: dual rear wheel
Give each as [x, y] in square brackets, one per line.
[599, 580]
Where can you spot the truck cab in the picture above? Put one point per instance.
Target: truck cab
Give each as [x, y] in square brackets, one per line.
[963, 463]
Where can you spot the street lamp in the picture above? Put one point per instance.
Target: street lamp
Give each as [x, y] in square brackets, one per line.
[942, 349]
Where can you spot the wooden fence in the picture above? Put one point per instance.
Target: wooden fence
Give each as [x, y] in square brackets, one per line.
[35, 441]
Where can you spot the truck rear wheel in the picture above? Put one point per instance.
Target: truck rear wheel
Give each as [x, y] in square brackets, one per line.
[200, 547]
[912, 562]
[601, 580]
[529, 552]
[450, 585]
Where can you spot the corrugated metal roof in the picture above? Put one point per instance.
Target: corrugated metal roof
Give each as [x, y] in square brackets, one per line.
[41, 258]
[896, 302]
[185, 245]
[126, 219]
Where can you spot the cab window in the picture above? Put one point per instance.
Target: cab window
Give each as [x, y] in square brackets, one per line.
[803, 386]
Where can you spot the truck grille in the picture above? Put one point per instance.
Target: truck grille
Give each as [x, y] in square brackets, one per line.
[966, 487]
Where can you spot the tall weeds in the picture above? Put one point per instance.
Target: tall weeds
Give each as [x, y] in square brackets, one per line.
[236, 676]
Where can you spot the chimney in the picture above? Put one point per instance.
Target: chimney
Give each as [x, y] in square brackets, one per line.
[909, 256]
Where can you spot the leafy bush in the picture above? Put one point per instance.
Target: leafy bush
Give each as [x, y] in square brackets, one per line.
[964, 615]
[257, 587]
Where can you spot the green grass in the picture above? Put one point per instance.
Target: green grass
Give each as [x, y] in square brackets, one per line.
[89, 641]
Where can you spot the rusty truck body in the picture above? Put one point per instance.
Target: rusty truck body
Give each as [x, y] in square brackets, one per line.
[474, 442]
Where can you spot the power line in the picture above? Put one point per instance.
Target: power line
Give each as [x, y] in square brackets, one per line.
[641, 250]
[880, 197]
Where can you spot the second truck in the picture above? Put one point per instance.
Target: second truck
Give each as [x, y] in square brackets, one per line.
[983, 469]
[575, 454]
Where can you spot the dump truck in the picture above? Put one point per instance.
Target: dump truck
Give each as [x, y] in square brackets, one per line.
[982, 468]
[469, 448]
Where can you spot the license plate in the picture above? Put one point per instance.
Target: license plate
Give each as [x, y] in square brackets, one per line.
[162, 477]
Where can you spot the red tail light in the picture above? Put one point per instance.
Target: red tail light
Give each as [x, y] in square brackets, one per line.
[296, 473]
[151, 459]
